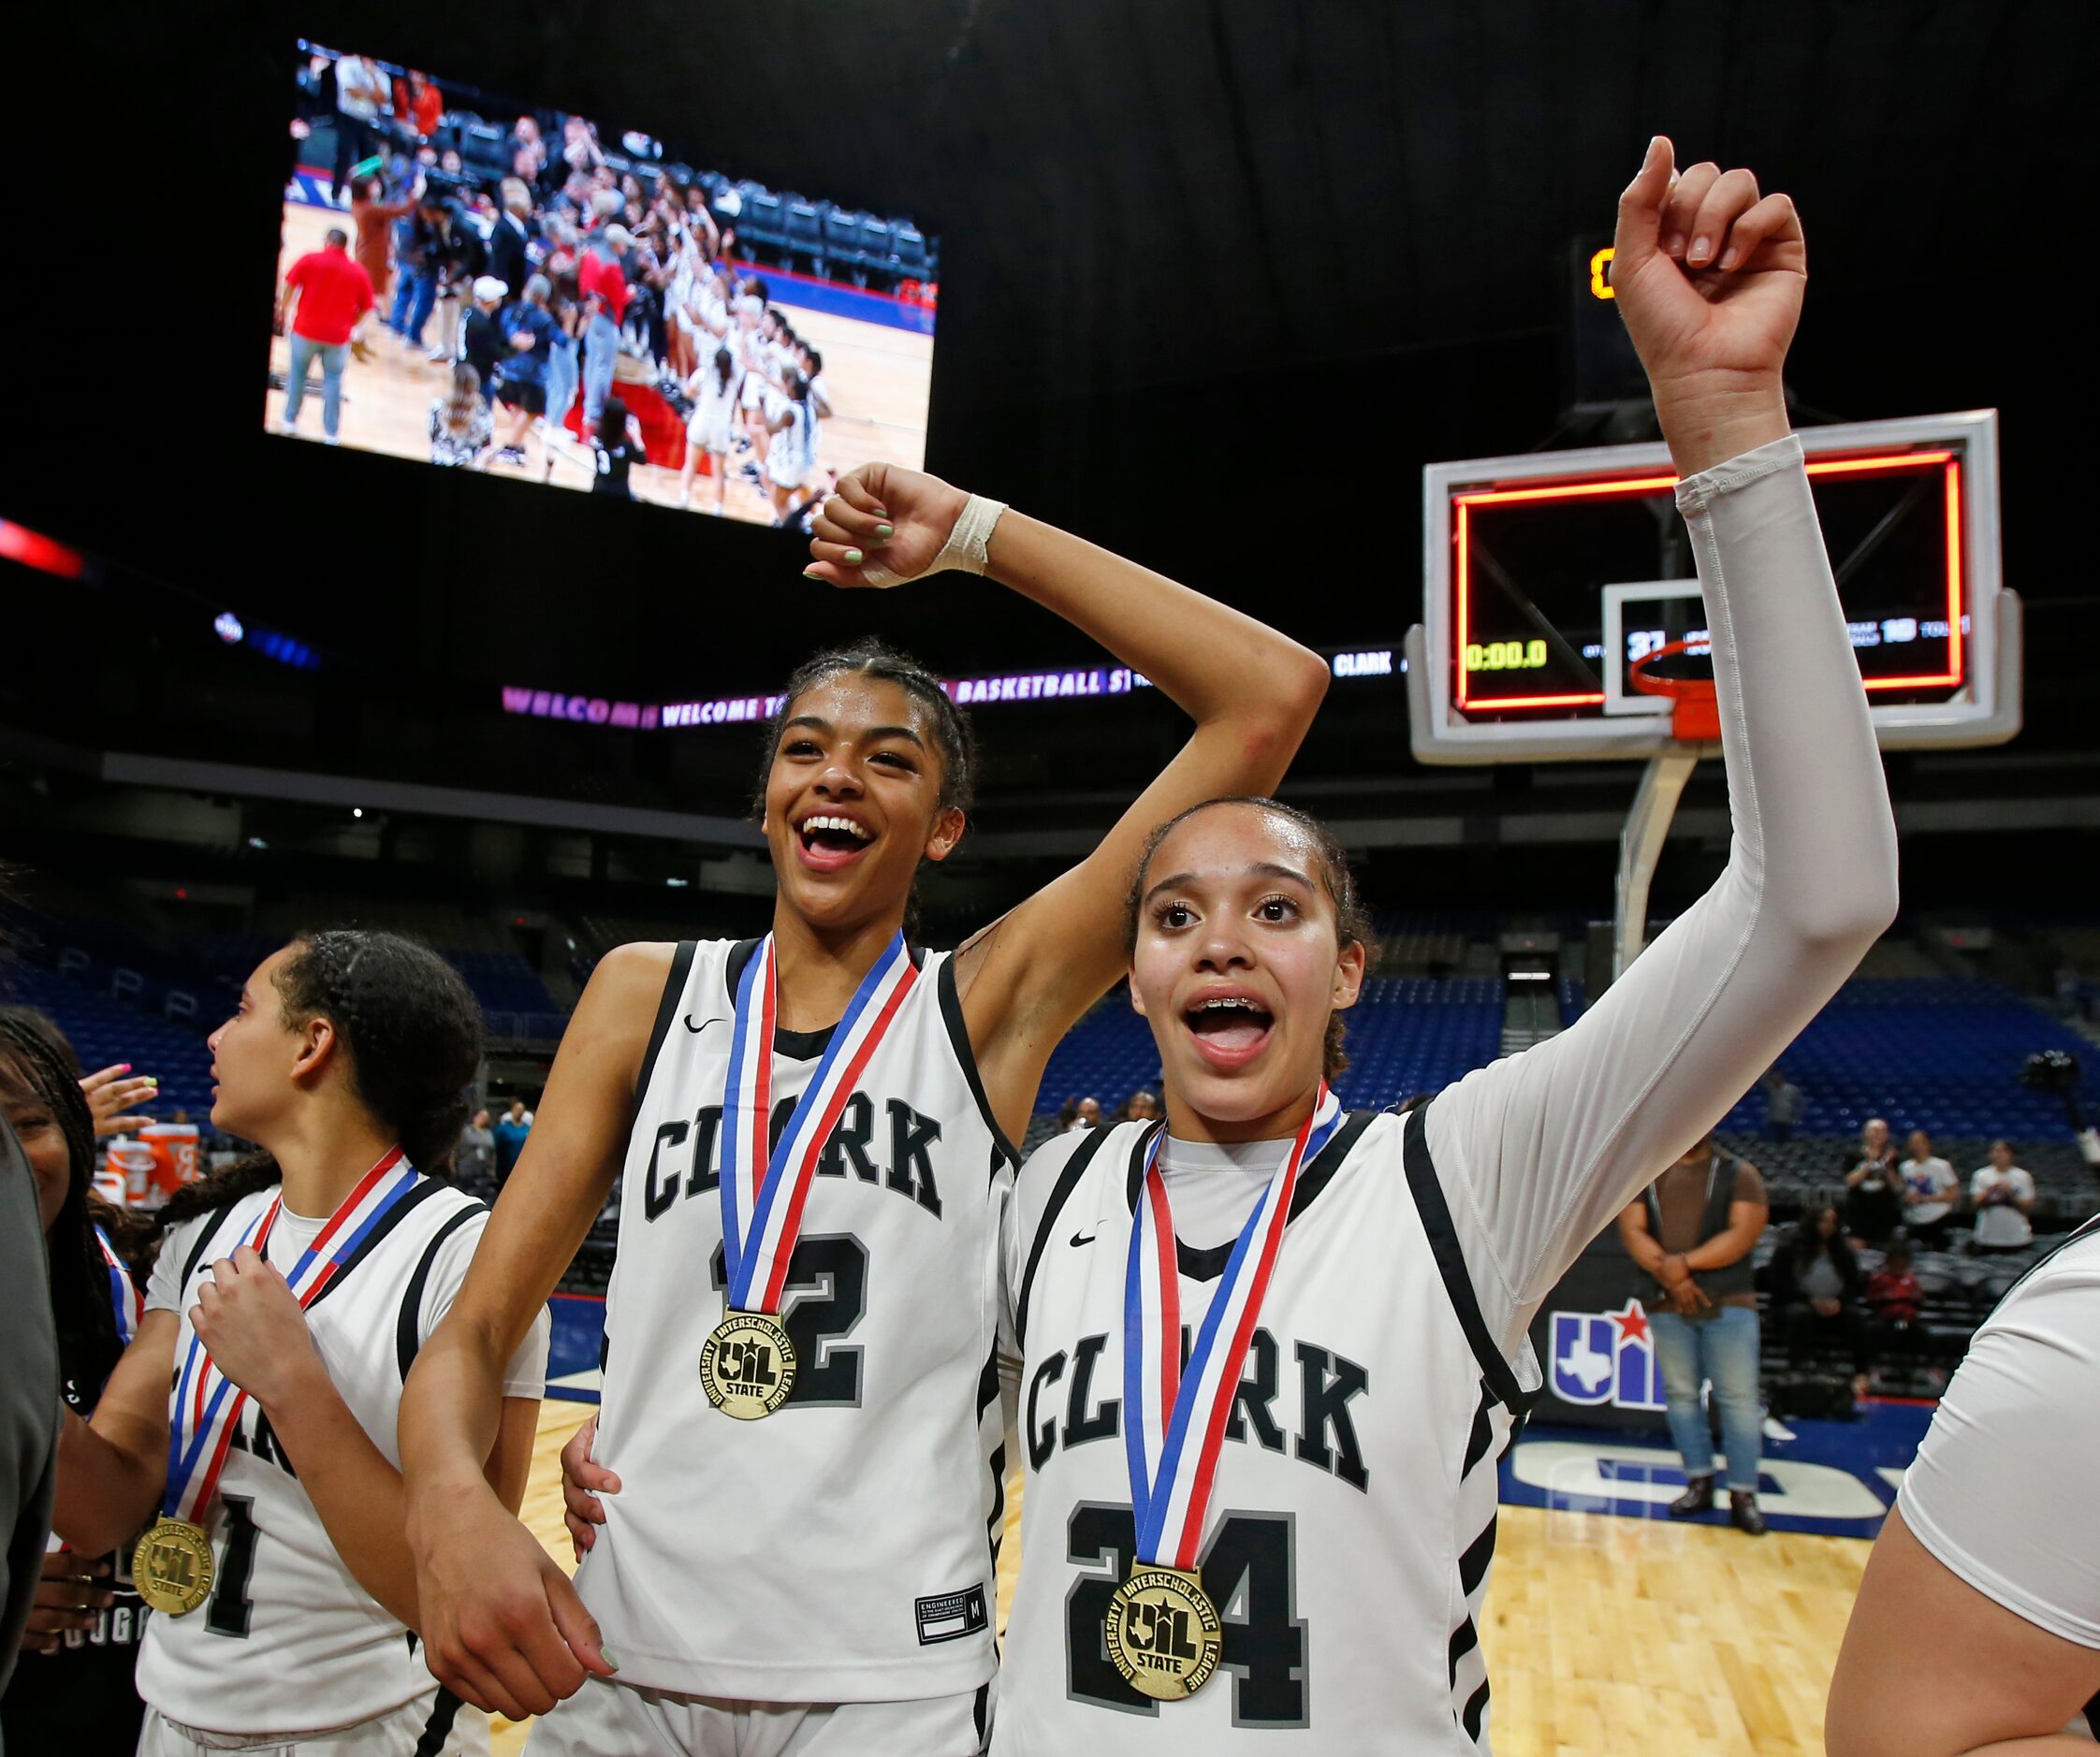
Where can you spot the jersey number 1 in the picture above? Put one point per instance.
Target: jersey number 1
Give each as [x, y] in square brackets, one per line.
[229, 1609]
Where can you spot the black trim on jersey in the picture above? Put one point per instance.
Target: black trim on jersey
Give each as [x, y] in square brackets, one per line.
[1501, 1376]
[204, 1236]
[666, 1010]
[406, 1341]
[1208, 1263]
[1067, 1179]
[806, 1046]
[966, 1057]
[1482, 1436]
[1465, 1638]
[1476, 1711]
[399, 1212]
[1473, 1565]
[438, 1728]
[981, 1711]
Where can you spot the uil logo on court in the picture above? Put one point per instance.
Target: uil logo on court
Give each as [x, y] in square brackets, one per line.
[1607, 1358]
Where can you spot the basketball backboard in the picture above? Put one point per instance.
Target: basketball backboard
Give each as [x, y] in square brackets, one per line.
[1546, 573]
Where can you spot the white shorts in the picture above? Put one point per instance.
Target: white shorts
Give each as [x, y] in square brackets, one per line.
[400, 1734]
[709, 429]
[608, 1719]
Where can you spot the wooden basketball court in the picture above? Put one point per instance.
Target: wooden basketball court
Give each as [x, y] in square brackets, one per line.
[879, 380]
[1605, 1636]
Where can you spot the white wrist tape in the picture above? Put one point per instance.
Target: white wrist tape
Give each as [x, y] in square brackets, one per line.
[968, 548]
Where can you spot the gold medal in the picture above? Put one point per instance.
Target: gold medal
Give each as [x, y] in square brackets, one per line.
[747, 1367]
[1163, 1633]
[172, 1567]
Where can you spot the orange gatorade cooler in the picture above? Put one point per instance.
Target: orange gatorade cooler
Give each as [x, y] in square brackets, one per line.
[178, 1159]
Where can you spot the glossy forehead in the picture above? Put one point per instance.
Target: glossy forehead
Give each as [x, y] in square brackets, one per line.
[1220, 843]
[852, 701]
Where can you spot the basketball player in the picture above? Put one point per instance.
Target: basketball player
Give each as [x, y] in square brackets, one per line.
[1270, 1352]
[814, 1573]
[290, 1296]
[793, 458]
[73, 1687]
[714, 390]
[1977, 1625]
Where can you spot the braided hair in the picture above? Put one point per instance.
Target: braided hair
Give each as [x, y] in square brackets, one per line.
[36, 1057]
[413, 1029]
[1353, 922]
[952, 733]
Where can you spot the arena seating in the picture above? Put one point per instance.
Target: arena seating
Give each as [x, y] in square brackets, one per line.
[105, 1030]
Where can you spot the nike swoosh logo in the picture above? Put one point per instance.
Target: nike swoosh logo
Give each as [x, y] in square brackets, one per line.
[704, 1023]
[1082, 1238]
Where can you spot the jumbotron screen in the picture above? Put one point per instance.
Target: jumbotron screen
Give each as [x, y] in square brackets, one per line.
[478, 283]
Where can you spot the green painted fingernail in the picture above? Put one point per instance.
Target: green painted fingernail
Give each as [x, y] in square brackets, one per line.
[884, 532]
[811, 572]
[605, 1654]
[852, 557]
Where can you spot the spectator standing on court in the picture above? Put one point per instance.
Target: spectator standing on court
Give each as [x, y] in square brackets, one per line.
[511, 1130]
[1874, 1187]
[475, 1156]
[335, 293]
[2003, 1194]
[1693, 1232]
[459, 422]
[1932, 1192]
[482, 345]
[362, 93]
[373, 216]
[529, 331]
[510, 236]
[602, 285]
[1785, 1107]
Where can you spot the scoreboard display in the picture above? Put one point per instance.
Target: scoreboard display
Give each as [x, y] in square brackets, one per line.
[1526, 553]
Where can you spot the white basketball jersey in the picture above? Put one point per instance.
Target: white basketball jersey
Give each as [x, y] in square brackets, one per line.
[1354, 1518]
[288, 1641]
[840, 1549]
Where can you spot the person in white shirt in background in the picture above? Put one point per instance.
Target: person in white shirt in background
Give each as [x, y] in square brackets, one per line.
[2003, 1194]
[1932, 1192]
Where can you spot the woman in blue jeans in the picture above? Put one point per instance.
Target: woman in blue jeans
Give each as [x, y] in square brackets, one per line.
[1693, 1231]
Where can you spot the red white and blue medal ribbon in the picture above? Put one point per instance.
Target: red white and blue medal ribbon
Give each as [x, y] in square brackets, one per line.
[763, 1194]
[125, 1305]
[205, 1406]
[1174, 1417]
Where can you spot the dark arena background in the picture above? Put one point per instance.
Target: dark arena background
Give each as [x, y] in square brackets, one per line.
[1215, 282]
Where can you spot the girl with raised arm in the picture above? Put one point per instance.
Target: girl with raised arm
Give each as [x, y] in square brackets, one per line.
[813, 1133]
[1281, 1538]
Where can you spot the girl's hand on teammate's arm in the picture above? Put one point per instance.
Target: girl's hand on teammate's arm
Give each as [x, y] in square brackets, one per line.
[250, 1322]
[501, 1624]
[1707, 276]
[582, 1482]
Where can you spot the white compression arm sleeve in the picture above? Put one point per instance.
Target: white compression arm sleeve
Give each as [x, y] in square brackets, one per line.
[1539, 1151]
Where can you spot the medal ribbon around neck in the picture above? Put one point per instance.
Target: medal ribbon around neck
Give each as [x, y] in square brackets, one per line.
[205, 1404]
[1174, 1419]
[762, 1194]
[125, 1303]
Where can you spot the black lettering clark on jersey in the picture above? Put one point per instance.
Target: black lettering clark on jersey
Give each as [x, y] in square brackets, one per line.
[793, 1560]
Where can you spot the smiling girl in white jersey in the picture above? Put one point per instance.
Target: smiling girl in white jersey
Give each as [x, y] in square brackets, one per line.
[1269, 1352]
[813, 1133]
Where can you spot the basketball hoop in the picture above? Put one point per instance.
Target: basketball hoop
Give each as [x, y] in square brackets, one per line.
[1694, 711]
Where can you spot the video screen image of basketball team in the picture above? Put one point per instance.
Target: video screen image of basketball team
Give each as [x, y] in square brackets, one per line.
[475, 282]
